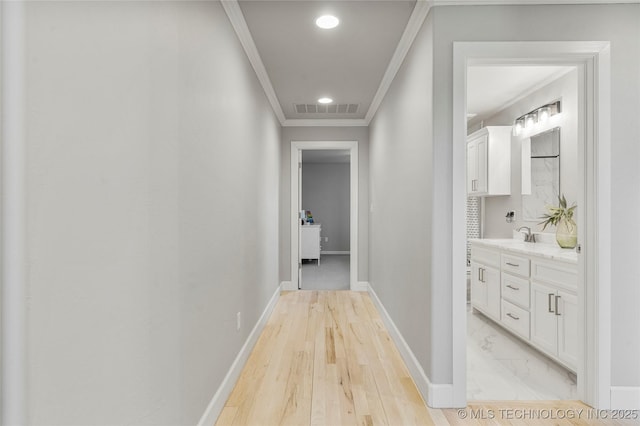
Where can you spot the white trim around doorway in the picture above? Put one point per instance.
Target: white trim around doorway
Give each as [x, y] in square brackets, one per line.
[352, 146]
[594, 380]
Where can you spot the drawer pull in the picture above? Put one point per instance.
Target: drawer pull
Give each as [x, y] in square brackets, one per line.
[557, 312]
[513, 264]
[512, 287]
[510, 315]
[551, 296]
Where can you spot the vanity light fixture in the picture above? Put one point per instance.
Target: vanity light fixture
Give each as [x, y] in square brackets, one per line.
[325, 100]
[538, 115]
[327, 22]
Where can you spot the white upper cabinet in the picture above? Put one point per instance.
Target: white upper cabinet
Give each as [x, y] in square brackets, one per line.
[489, 161]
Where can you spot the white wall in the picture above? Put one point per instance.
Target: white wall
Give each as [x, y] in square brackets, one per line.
[325, 192]
[401, 220]
[360, 134]
[618, 24]
[495, 208]
[411, 148]
[153, 167]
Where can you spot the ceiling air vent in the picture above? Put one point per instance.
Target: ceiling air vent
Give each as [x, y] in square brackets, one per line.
[326, 109]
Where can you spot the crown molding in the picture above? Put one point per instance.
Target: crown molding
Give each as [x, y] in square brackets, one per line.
[232, 8]
[326, 122]
[420, 11]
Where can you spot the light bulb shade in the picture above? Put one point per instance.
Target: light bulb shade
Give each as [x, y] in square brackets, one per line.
[543, 113]
[519, 125]
[530, 120]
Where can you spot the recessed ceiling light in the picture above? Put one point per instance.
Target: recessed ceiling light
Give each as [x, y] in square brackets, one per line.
[325, 100]
[327, 22]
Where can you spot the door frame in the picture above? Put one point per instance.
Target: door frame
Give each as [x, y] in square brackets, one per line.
[296, 148]
[594, 264]
[13, 249]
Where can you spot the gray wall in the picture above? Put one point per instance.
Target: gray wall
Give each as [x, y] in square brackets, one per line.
[416, 288]
[325, 192]
[360, 134]
[153, 165]
[401, 222]
[495, 208]
[616, 23]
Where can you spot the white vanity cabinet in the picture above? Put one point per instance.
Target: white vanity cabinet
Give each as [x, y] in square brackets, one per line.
[532, 295]
[310, 242]
[485, 281]
[489, 161]
[554, 308]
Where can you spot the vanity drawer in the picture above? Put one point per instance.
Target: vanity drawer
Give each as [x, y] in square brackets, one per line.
[561, 274]
[485, 256]
[515, 318]
[515, 264]
[515, 290]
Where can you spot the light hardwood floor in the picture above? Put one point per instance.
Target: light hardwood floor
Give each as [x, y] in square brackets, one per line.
[325, 358]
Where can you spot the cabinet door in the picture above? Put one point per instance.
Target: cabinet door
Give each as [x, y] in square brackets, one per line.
[478, 289]
[483, 164]
[491, 278]
[568, 328]
[472, 167]
[544, 322]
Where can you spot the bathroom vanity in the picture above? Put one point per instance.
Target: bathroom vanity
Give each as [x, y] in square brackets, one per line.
[530, 289]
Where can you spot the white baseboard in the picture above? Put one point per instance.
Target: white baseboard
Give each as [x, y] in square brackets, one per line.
[222, 394]
[287, 286]
[435, 395]
[361, 286]
[625, 397]
[335, 252]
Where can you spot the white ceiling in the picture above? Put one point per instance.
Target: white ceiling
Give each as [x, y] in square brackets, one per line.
[304, 62]
[320, 156]
[491, 88]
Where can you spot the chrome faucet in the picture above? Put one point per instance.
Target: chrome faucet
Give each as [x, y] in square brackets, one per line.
[528, 237]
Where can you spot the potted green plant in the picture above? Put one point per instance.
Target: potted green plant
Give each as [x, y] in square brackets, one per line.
[562, 218]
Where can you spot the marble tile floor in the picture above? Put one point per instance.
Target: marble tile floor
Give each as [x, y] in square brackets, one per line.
[502, 367]
[331, 274]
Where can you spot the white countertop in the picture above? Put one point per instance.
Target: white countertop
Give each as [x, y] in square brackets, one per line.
[548, 251]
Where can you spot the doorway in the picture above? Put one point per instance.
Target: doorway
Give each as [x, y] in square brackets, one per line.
[314, 150]
[592, 62]
[324, 234]
[509, 357]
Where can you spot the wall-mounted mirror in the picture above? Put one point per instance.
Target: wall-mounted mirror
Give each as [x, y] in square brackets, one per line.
[540, 173]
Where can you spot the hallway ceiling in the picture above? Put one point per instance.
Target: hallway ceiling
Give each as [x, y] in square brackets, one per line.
[347, 63]
[354, 64]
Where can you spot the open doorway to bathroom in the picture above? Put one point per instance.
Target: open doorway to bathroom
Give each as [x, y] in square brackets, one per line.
[522, 296]
[325, 233]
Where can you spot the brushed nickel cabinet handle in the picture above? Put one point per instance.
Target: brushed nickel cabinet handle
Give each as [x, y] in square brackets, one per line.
[512, 287]
[551, 296]
[510, 315]
[557, 312]
[512, 264]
